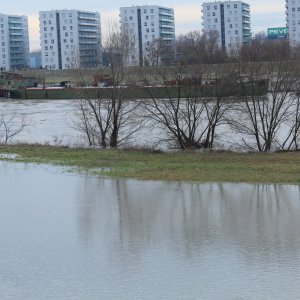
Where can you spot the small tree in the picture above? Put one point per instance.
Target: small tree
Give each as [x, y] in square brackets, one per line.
[11, 125]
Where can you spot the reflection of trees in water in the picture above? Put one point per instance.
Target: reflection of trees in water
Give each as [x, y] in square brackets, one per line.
[263, 218]
[132, 216]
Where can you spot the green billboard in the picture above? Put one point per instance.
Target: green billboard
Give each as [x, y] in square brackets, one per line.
[278, 33]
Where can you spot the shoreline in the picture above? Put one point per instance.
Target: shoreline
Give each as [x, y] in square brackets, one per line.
[184, 166]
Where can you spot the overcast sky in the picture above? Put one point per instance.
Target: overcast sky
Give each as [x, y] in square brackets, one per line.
[264, 14]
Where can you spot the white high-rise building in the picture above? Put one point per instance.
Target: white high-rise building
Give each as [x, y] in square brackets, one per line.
[231, 19]
[70, 39]
[149, 24]
[293, 21]
[14, 39]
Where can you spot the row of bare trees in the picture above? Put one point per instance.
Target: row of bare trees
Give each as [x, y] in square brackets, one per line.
[189, 107]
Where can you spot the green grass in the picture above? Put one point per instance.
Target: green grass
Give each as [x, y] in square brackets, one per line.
[179, 166]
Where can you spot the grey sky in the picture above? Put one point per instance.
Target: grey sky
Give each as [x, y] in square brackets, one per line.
[187, 12]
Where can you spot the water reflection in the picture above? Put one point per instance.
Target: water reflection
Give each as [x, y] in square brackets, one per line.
[69, 236]
[255, 217]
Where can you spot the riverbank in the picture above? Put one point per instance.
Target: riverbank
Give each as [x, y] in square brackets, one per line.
[179, 166]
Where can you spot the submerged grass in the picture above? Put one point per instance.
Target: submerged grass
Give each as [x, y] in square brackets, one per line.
[178, 166]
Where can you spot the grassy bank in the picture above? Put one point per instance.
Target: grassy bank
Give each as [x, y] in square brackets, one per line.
[180, 166]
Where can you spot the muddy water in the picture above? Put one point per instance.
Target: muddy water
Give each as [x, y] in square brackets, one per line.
[72, 236]
[49, 121]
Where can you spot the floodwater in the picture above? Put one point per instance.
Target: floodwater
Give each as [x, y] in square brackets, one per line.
[54, 122]
[73, 236]
[49, 121]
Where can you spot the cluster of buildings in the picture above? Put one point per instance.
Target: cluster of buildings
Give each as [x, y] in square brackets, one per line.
[72, 38]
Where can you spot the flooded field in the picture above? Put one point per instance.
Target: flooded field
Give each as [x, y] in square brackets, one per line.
[74, 236]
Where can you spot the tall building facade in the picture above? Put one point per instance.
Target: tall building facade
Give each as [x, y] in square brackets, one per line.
[149, 24]
[293, 21]
[14, 39]
[231, 19]
[70, 39]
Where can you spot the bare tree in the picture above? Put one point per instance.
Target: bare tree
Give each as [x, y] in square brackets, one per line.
[200, 48]
[190, 109]
[261, 49]
[292, 137]
[10, 126]
[107, 117]
[258, 116]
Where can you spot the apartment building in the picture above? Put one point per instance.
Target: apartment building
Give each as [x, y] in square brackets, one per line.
[293, 21]
[149, 24]
[14, 39]
[70, 39]
[231, 19]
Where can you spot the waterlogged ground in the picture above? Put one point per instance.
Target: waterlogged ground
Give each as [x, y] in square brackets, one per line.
[70, 236]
